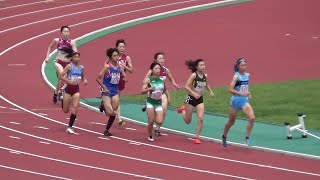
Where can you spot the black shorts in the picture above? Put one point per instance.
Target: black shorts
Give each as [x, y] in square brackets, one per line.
[193, 101]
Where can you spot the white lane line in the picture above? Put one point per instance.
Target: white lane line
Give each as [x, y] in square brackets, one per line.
[14, 152]
[14, 137]
[2, 107]
[68, 14]
[78, 164]
[73, 147]
[163, 134]
[118, 155]
[14, 122]
[43, 142]
[17, 64]
[27, 4]
[98, 123]
[133, 143]
[48, 9]
[84, 22]
[14, 109]
[41, 127]
[132, 129]
[43, 114]
[32, 172]
[104, 138]
[315, 37]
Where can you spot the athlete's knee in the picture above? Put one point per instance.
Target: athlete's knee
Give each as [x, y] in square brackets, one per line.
[252, 119]
[65, 110]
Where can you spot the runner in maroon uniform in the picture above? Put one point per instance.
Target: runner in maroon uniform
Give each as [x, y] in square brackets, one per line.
[61, 60]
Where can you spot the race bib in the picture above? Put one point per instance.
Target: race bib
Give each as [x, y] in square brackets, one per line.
[77, 79]
[115, 79]
[244, 88]
[156, 95]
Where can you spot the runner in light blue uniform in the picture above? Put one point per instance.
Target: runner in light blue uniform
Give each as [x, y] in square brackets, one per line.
[239, 88]
[238, 102]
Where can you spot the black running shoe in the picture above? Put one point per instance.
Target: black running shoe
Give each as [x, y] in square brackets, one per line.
[144, 108]
[55, 98]
[106, 133]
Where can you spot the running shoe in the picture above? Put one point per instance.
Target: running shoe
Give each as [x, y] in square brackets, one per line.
[196, 141]
[70, 130]
[157, 132]
[224, 141]
[121, 122]
[55, 98]
[182, 108]
[150, 138]
[106, 133]
[247, 142]
[144, 108]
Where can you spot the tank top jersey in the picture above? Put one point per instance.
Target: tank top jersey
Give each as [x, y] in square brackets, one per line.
[163, 72]
[75, 74]
[63, 43]
[199, 83]
[111, 78]
[242, 85]
[158, 84]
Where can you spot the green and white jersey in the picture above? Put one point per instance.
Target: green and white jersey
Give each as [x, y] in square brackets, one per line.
[158, 84]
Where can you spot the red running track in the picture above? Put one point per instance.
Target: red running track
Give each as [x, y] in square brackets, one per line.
[170, 157]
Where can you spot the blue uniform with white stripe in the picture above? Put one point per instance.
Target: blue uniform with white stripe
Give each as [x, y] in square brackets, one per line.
[74, 74]
[238, 102]
[111, 81]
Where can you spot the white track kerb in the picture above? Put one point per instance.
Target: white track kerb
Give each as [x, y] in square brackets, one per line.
[127, 24]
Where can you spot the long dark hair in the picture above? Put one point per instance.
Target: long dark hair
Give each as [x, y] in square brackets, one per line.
[69, 51]
[193, 64]
[236, 66]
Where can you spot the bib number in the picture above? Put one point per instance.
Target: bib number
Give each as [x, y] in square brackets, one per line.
[244, 88]
[115, 80]
[156, 95]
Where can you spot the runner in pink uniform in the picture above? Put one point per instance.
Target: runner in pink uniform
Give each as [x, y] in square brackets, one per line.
[61, 60]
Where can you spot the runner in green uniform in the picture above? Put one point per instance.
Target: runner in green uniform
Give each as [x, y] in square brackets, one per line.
[155, 87]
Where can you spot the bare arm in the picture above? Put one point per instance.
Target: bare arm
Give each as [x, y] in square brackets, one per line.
[128, 66]
[147, 75]
[145, 89]
[189, 85]
[172, 80]
[52, 44]
[99, 78]
[84, 79]
[74, 46]
[63, 76]
[208, 87]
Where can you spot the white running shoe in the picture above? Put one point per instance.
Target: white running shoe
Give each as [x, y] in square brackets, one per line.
[150, 138]
[70, 130]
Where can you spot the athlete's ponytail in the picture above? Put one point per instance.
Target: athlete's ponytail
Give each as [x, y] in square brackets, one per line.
[69, 51]
[193, 64]
[236, 66]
